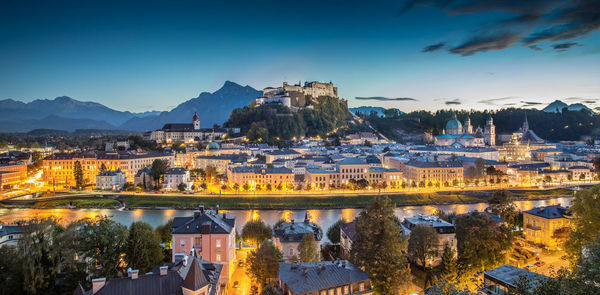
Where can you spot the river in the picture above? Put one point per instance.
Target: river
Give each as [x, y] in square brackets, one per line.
[323, 217]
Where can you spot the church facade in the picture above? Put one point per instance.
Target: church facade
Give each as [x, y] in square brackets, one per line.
[463, 135]
[185, 132]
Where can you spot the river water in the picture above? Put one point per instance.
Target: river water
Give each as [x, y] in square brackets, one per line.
[323, 217]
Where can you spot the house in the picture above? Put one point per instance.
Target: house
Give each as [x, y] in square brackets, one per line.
[10, 234]
[190, 275]
[208, 233]
[281, 154]
[242, 175]
[541, 223]
[446, 232]
[323, 278]
[176, 176]
[446, 173]
[144, 177]
[502, 280]
[347, 235]
[110, 180]
[288, 235]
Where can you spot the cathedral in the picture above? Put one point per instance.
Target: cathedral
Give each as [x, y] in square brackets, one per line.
[462, 135]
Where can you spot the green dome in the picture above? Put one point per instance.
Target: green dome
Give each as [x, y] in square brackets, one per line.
[213, 146]
[453, 124]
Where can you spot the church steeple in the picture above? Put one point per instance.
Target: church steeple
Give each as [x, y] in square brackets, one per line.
[525, 124]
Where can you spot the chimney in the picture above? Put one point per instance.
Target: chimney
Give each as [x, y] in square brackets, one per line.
[224, 215]
[163, 270]
[201, 208]
[185, 260]
[97, 284]
[197, 213]
[217, 209]
[132, 273]
[304, 271]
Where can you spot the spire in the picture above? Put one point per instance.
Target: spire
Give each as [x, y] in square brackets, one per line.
[306, 220]
[195, 118]
[525, 124]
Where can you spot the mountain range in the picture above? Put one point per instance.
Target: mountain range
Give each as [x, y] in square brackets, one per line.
[65, 113]
[557, 106]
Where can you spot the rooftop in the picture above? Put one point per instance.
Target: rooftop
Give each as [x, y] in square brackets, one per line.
[214, 222]
[509, 275]
[550, 212]
[306, 277]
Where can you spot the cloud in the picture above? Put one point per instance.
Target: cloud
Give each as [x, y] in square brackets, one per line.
[597, 108]
[563, 46]
[433, 47]
[530, 103]
[453, 102]
[582, 99]
[535, 47]
[530, 22]
[494, 101]
[381, 98]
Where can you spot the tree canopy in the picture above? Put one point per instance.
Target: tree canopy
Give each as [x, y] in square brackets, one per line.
[263, 263]
[143, 250]
[308, 249]
[255, 232]
[422, 243]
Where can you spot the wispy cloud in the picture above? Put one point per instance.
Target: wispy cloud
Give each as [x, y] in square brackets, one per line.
[531, 103]
[453, 102]
[433, 47]
[381, 98]
[531, 22]
[495, 101]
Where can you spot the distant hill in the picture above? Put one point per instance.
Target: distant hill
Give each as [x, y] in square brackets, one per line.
[212, 108]
[65, 113]
[366, 110]
[557, 106]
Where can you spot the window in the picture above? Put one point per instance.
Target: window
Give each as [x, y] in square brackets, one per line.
[331, 291]
[182, 243]
[218, 243]
[198, 242]
[291, 251]
[346, 290]
[338, 291]
[218, 257]
[361, 287]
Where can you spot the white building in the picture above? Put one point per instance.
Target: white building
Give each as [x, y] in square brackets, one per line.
[110, 180]
[176, 176]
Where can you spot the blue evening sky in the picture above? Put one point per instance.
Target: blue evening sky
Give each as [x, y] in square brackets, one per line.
[148, 55]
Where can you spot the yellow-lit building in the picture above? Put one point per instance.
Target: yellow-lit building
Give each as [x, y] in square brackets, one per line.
[541, 223]
[58, 168]
[259, 176]
[435, 172]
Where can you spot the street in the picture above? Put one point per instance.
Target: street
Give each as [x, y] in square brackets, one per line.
[240, 276]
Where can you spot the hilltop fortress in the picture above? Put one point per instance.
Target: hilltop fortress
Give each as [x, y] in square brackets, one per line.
[295, 96]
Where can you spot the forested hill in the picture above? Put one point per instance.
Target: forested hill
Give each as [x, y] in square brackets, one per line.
[273, 122]
[568, 125]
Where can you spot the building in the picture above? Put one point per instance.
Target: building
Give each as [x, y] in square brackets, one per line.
[184, 132]
[295, 96]
[288, 235]
[446, 232]
[582, 173]
[502, 280]
[208, 233]
[242, 175]
[10, 234]
[176, 176]
[190, 275]
[110, 180]
[445, 173]
[58, 168]
[144, 178]
[338, 277]
[541, 223]
[459, 135]
[222, 162]
[281, 155]
[486, 153]
[347, 235]
[318, 178]
[12, 174]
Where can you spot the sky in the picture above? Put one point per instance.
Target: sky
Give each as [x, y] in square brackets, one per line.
[413, 54]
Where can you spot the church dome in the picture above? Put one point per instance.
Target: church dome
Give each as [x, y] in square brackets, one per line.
[213, 146]
[453, 124]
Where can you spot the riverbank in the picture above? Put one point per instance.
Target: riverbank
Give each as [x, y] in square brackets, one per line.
[277, 201]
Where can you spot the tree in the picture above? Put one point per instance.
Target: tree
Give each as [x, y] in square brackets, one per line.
[143, 250]
[103, 240]
[502, 204]
[270, 290]
[448, 266]
[333, 233]
[182, 187]
[263, 263]
[236, 187]
[163, 231]
[246, 187]
[78, 174]
[378, 246]
[308, 249]
[255, 232]
[211, 173]
[102, 167]
[482, 243]
[159, 167]
[596, 164]
[422, 243]
[479, 167]
[585, 222]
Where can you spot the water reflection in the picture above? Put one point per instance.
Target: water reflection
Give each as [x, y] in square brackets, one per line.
[324, 218]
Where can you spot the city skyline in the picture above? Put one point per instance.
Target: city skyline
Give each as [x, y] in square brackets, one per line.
[409, 55]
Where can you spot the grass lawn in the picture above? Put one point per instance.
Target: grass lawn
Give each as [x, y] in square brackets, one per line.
[93, 202]
[288, 202]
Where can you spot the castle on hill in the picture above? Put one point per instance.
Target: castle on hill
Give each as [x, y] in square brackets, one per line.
[463, 135]
[295, 96]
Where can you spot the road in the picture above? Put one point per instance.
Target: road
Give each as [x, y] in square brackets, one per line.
[239, 275]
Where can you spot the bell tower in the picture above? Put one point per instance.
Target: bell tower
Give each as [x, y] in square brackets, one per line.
[196, 121]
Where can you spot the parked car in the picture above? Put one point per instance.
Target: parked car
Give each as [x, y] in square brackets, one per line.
[540, 263]
[236, 284]
[529, 266]
[241, 263]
